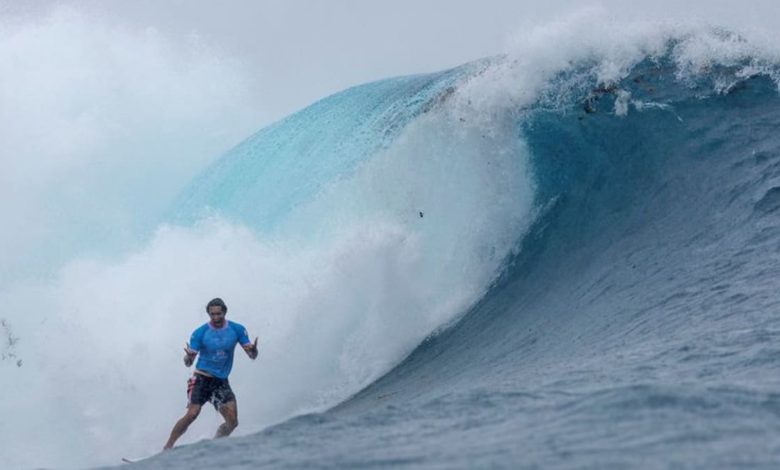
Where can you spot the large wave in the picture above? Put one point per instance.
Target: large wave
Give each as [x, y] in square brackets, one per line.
[348, 233]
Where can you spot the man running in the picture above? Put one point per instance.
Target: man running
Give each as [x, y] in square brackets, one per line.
[215, 341]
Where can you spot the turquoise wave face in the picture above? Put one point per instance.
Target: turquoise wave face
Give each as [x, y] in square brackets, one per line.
[261, 180]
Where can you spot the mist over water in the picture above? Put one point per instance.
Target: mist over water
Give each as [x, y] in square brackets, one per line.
[105, 131]
[101, 127]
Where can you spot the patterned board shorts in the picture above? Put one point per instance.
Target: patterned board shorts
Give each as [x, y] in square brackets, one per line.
[201, 389]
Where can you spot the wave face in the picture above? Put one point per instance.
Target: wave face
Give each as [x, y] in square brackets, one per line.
[635, 323]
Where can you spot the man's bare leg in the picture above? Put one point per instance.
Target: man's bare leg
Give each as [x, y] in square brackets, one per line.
[229, 411]
[182, 424]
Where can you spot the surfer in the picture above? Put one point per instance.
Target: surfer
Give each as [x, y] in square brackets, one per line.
[215, 341]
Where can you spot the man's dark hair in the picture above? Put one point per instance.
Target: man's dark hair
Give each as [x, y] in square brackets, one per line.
[217, 302]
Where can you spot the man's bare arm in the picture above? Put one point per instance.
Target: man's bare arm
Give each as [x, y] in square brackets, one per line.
[251, 349]
[189, 355]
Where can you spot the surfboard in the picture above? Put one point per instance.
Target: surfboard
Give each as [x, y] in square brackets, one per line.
[136, 459]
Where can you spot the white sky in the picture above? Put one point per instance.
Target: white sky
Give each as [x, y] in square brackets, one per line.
[300, 50]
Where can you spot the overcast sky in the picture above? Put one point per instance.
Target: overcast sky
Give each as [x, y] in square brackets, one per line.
[300, 50]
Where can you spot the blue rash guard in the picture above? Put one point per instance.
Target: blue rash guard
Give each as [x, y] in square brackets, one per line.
[216, 345]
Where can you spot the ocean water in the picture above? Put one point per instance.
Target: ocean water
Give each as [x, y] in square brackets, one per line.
[560, 257]
[636, 323]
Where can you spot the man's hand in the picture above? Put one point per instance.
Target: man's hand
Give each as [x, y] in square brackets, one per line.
[189, 355]
[251, 349]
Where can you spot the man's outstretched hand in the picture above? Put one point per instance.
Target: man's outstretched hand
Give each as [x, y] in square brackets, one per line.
[251, 349]
[189, 355]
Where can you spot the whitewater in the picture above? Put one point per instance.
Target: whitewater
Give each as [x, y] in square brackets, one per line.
[564, 256]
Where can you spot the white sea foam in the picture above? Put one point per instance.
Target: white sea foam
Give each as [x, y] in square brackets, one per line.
[596, 51]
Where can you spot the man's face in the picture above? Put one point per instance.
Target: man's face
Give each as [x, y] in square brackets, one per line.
[217, 315]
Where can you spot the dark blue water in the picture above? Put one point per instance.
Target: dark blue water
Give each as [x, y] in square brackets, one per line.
[638, 325]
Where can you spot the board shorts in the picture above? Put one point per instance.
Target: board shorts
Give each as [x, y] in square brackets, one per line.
[202, 389]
